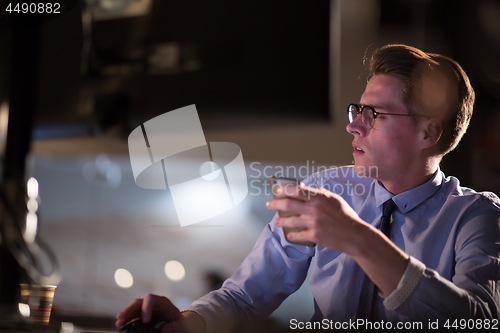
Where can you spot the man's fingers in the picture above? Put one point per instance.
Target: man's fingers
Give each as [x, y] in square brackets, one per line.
[120, 322]
[301, 192]
[286, 205]
[133, 310]
[291, 222]
[145, 308]
[300, 236]
[160, 305]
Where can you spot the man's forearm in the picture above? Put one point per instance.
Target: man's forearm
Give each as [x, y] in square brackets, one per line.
[380, 259]
[193, 322]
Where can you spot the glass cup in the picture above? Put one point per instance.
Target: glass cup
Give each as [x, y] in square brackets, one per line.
[285, 184]
[39, 299]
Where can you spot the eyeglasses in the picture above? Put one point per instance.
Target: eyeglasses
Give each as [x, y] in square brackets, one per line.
[368, 114]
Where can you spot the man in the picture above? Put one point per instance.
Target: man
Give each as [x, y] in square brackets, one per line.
[428, 255]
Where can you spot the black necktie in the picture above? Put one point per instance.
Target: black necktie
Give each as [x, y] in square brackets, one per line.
[385, 222]
[369, 292]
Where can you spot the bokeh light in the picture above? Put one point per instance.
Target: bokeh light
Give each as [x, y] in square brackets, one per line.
[123, 278]
[174, 270]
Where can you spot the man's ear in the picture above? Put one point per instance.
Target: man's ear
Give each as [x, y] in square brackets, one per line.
[431, 132]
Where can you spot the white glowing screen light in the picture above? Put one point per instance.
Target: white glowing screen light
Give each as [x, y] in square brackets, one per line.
[209, 199]
[174, 270]
[32, 188]
[67, 326]
[31, 227]
[32, 205]
[123, 278]
[24, 310]
[209, 171]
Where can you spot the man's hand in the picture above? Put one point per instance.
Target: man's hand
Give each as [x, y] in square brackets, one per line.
[328, 220]
[162, 306]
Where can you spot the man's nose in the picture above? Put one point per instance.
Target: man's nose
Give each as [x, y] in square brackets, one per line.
[357, 127]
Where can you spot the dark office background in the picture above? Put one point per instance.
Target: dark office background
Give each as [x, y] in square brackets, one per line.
[254, 64]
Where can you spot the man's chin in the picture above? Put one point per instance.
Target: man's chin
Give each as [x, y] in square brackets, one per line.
[366, 170]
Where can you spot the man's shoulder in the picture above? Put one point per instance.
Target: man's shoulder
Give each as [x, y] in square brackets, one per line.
[459, 193]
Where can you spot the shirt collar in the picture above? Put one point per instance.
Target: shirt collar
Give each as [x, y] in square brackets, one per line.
[410, 199]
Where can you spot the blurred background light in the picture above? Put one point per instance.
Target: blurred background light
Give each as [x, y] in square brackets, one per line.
[32, 188]
[24, 309]
[31, 227]
[32, 205]
[123, 278]
[174, 270]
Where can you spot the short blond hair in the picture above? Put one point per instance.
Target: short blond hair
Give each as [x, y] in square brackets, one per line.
[406, 63]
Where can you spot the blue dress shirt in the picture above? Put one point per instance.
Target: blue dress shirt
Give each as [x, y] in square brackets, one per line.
[451, 233]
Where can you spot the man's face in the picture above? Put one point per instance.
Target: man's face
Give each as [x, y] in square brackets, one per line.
[391, 145]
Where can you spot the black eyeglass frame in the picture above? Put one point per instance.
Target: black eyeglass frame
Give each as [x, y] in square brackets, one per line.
[360, 108]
